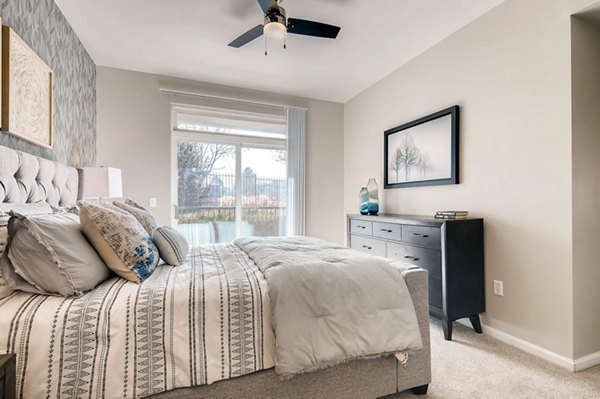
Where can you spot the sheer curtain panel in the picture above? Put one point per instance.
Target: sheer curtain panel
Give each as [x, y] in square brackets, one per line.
[296, 124]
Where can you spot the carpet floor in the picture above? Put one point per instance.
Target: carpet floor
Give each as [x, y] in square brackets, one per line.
[477, 366]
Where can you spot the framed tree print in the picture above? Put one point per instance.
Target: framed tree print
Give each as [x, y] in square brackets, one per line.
[423, 152]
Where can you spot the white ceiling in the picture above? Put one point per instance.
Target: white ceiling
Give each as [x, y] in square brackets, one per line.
[188, 39]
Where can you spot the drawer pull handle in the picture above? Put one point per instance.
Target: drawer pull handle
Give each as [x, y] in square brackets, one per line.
[363, 227]
[411, 258]
[386, 230]
[420, 235]
[367, 247]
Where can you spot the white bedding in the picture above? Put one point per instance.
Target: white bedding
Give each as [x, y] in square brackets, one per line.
[127, 340]
[332, 304]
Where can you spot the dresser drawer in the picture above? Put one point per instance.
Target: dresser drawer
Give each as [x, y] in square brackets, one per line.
[428, 237]
[368, 245]
[361, 227]
[426, 258]
[388, 231]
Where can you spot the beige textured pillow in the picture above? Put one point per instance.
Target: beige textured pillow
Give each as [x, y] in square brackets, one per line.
[120, 239]
[142, 215]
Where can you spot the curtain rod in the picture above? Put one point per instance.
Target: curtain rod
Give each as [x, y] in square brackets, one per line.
[226, 99]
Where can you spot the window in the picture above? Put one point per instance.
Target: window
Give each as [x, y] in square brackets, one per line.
[230, 172]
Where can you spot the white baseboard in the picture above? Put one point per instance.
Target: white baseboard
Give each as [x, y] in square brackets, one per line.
[526, 346]
[587, 361]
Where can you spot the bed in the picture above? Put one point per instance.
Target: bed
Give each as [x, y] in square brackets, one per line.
[202, 329]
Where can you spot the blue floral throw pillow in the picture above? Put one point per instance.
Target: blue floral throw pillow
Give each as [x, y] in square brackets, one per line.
[120, 240]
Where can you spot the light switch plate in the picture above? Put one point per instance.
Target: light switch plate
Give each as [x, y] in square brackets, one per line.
[498, 288]
[152, 202]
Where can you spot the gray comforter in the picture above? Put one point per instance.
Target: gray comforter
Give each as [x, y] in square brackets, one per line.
[331, 304]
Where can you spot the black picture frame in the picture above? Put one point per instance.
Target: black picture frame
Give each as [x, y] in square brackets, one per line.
[438, 135]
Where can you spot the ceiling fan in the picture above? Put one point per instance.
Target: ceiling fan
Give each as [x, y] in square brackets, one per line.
[277, 25]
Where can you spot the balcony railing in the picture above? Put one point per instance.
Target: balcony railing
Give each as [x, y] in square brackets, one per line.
[214, 224]
[207, 214]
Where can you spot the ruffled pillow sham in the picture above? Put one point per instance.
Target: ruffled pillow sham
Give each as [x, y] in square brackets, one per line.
[48, 254]
[6, 209]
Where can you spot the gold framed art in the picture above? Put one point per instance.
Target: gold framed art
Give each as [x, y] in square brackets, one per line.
[27, 104]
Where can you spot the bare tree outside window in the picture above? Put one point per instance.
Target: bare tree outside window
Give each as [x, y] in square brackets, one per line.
[280, 156]
[195, 162]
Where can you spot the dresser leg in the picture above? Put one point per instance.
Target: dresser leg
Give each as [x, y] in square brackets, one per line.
[420, 390]
[447, 326]
[476, 323]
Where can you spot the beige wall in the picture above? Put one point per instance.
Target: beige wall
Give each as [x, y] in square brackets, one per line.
[510, 73]
[134, 122]
[520, 167]
[586, 183]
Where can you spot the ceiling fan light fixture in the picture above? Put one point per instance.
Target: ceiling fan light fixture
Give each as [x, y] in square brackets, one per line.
[275, 30]
[276, 26]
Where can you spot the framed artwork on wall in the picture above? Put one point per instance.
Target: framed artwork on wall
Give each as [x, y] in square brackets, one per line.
[423, 152]
[26, 91]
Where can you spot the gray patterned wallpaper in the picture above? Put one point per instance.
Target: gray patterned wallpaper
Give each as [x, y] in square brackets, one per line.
[41, 24]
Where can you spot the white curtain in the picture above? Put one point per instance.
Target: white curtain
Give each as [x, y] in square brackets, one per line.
[296, 125]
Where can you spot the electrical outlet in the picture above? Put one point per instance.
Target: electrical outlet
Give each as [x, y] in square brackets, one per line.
[498, 288]
[152, 202]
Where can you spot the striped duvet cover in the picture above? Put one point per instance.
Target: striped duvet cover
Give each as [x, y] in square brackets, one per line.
[195, 324]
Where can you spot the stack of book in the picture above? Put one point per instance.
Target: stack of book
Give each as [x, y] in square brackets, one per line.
[451, 214]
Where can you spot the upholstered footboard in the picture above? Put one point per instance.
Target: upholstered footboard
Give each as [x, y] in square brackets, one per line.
[371, 378]
[417, 372]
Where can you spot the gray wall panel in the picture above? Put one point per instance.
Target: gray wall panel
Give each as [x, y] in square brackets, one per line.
[41, 24]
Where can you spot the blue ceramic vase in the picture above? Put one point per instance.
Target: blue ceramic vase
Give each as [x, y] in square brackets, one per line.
[373, 197]
[363, 200]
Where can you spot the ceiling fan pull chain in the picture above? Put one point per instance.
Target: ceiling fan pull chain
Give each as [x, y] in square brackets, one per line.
[285, 42]
[266, 46]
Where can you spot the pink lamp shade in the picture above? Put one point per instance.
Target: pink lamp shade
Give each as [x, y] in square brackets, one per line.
[100, 182]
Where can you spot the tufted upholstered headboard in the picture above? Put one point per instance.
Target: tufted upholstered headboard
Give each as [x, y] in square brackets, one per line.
[26, 178]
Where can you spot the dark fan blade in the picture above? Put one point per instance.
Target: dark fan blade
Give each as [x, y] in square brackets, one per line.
[312, 28]
[266, 4]
[247, 37]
